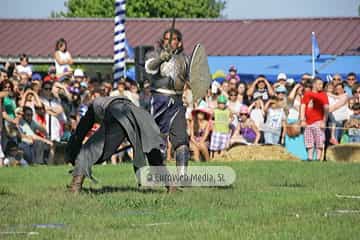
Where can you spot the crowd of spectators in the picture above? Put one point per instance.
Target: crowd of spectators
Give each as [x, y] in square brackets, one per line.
[304, 115]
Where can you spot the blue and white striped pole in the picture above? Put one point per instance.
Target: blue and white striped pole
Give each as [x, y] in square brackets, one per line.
[119, 40]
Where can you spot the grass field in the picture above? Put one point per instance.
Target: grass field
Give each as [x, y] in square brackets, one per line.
[269, 200]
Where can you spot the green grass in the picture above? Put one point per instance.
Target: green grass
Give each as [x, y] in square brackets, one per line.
[269, 200]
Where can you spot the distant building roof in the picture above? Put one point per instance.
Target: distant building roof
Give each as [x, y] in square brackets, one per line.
[93, 38]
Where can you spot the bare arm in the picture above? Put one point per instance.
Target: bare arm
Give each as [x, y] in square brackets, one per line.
[293, 92]
[269, 88]
[251, 90]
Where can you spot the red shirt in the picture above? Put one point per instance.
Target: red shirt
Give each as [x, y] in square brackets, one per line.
[314, 106]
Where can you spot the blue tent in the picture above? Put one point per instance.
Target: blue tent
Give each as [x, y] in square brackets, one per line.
[294, 66]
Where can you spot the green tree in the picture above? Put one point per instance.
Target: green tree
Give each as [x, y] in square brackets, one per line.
[144, 8]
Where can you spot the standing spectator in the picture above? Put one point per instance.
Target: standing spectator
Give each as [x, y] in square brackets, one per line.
[314, 113]
[54, 112]
[294, 138]
[145, 97]
[200, 132]
[34, 146]
[234, 104]
[275, 120]
[257, 112]
[351, 80]
[233, 74]
[63, 58]
[336, 79]
[220, 136]
[24, 68]
[120, 91]
[246, 131]
[338, 116]
[242, 97]
[261, 87]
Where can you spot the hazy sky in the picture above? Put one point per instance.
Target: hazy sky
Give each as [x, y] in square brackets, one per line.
[234, 8]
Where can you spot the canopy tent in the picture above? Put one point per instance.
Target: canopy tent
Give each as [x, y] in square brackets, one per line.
[249, 67]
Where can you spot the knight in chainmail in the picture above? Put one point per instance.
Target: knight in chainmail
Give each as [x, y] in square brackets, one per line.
[119, 119]
[168, 68]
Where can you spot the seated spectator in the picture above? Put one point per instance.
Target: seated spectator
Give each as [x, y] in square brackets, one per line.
[24, 68]
[233, 74]
[30, 99]
[246, 132]
[51, 75]
[14, 156]
[353, 125]
[120, 91]
[281, 80]
[261, 87]
[220, 136]
[224, 89]
[200, 132]
[34, 146]
[8, 110]
[63, 59]
[233, 82]
[3, 75]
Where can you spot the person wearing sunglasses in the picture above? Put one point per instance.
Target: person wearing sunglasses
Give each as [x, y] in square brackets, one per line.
[351, 81]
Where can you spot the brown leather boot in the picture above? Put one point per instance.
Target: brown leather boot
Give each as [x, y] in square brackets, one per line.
[76, 184]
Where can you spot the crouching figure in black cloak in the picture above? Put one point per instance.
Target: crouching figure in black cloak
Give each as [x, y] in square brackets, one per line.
[119, 119]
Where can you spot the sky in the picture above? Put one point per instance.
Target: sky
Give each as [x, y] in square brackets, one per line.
[235, 9]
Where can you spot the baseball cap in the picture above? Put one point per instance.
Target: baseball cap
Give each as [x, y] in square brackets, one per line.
[281, 76]
[78, 73]
[222, 99]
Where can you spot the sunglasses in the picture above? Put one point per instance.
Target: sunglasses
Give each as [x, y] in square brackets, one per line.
[351, 79]
[232, 95]
[47, 89]
[337, 79]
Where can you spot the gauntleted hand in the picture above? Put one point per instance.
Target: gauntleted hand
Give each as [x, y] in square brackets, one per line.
[165, 56]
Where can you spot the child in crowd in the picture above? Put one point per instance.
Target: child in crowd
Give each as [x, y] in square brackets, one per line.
[353, 125]
[246, 132]
[275, 120]
[221, 133]
[200, 132]
[257, 112]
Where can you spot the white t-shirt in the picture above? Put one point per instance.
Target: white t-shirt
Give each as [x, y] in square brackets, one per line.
[62, 68]
[274, 119]
[342, 113]
[53, 125]
[21, 69]
[258, 117]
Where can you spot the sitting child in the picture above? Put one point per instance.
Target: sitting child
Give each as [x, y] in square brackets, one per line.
[199, 133]
[14, 156]
[246, 132]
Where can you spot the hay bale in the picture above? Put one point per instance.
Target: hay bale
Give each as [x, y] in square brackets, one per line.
[349, 152]
[258, 152]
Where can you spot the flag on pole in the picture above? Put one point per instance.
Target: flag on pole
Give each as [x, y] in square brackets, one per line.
[315, 46]
[119, 40]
